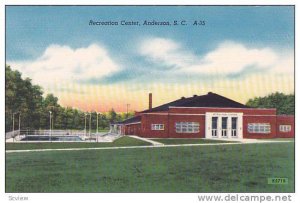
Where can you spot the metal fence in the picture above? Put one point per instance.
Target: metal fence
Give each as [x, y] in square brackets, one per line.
[84, 135]
[54, 132]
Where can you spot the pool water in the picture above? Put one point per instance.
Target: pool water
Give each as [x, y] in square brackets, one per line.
[51, 138]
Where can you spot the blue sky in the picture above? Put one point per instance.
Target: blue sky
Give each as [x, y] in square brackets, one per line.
[41, 26]
[236, 44]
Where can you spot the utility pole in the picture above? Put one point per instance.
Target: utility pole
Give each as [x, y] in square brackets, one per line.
[52, 122]
[85, 114]
[50, 126]
[19, 123]
[13, 123]
[97, 128]
[52, 110]
[90, 125]
[97, 122]
[13, 126]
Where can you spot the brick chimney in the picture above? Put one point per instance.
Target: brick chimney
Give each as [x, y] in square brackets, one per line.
[150, 100]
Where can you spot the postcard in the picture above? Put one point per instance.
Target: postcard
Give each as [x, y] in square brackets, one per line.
[150, 99]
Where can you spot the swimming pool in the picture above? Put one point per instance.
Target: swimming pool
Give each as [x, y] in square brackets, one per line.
[51, 138]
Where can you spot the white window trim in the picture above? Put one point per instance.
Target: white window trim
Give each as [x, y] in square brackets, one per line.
[259, 128]
[285, 128]
[187, 127]
[157, 127]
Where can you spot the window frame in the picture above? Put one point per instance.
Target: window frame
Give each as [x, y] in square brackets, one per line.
[259, 128]
[187, 127]
[157, 126]
[234, 127]
[285, 128]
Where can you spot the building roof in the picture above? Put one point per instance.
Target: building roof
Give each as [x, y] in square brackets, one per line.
[134, 119]
[208, 100]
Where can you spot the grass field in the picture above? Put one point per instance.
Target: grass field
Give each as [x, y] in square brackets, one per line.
[228, 168]
[123, 141]
[280, 139]
[171, 141]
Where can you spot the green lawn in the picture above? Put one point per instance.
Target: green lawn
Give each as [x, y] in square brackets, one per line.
[123, 141]
[228, 168]
[170, 141]
[280, 139]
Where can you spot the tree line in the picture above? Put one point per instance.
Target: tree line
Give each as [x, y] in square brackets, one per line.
[284, 103]
[25, 100]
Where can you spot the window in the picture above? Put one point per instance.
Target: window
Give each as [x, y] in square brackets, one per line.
[285, 128]
[157, 127]
[224, 122]
[234, 123]
[259, 128]
[187, 127]
[233, 127]
[214, 123]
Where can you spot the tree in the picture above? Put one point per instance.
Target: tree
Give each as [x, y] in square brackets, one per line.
[21, 96]
[112, 116]
[285, 104]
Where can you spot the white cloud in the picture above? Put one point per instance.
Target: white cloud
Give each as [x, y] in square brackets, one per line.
[60, 64]
[285, 64]
[228, 57]
[167, 52]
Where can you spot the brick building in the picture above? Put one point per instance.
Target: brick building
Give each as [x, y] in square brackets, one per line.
[207, 116]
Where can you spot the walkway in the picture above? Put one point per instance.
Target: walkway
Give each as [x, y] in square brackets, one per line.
[147, 140]
[144, 147]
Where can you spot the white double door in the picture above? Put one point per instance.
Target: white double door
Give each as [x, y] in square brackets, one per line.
[223, 125]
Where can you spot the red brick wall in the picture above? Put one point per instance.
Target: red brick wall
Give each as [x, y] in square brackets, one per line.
[259, 119]
[148, 119]
[198, 115]
[169, 125]
[186, 118]
[286, 120]
[133, 129]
